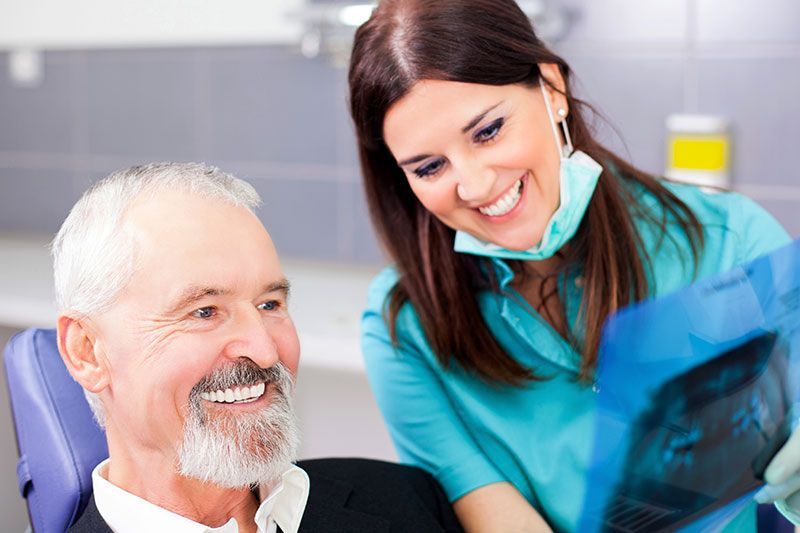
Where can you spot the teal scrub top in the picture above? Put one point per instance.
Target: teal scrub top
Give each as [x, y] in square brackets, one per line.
[538, 436]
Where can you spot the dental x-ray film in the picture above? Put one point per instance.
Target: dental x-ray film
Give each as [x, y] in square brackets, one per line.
[696, 395]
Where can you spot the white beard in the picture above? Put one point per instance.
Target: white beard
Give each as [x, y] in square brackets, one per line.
[244, 450]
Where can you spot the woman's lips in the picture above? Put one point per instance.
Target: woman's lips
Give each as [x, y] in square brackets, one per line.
[507, 205]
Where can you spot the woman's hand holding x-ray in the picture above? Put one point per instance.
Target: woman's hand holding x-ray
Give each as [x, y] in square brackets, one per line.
[783, 479]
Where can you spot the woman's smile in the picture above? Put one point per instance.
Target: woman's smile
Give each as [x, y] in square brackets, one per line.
[505, 207]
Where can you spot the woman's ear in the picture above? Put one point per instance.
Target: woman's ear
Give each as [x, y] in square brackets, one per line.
[555, 87]
[76, 343]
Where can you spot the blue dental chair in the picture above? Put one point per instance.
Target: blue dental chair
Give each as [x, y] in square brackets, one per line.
[59, 442]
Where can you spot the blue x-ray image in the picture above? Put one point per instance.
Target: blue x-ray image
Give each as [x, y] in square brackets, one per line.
[673, 470]
[696, 396]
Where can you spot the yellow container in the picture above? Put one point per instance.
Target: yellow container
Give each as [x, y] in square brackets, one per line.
[698, 150]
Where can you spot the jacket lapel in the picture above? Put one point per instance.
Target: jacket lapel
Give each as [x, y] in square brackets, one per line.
[90, 521]
[326, 510]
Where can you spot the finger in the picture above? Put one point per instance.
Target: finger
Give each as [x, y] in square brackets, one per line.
[793, 500]
[786, 462]
[771, 493]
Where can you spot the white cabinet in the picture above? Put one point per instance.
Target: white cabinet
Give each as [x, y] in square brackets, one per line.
[79, 24]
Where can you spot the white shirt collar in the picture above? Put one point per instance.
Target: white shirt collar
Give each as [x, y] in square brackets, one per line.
[124, 512]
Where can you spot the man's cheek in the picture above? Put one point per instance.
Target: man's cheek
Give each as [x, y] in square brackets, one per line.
[163, 337]
[292, 362]
[288, 346]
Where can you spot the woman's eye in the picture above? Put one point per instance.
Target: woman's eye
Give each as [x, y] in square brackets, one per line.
[270, 305]
[204, 312]
[489, 132]
[429, 169]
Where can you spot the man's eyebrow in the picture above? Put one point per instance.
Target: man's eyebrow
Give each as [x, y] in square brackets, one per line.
[472, 123]
[192, 294]
[282, 285]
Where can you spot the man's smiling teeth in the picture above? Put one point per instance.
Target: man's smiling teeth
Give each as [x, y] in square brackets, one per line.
[237, 395]
[506, 203]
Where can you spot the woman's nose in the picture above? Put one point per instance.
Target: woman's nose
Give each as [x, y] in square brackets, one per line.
[475, 182]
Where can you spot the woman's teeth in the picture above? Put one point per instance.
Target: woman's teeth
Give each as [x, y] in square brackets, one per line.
[237, 395]
[506, 203]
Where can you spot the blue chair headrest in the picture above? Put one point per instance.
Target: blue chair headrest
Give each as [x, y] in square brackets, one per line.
[58, 439]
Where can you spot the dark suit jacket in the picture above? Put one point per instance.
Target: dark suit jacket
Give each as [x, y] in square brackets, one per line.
[353, 495]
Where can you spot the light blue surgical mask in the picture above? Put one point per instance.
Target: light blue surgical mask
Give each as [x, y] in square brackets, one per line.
[578, 179]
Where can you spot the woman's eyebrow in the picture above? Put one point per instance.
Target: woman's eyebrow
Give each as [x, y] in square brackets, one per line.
[478, 118]
[412, 160]
[472, 123]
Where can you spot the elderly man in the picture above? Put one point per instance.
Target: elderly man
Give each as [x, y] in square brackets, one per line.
[175, 322]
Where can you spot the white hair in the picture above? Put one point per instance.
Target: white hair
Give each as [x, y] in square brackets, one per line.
[93, 259]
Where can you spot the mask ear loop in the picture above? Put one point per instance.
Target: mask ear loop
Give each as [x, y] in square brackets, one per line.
[564, 149]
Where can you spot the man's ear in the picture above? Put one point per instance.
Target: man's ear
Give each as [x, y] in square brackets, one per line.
[76, 343]
[555, 86]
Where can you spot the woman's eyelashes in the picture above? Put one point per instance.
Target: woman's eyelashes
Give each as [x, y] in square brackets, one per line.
[489, 132]
[430, 168]
[482, 136]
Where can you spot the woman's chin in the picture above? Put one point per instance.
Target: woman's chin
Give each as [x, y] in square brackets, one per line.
[516, 238]
[516, 245]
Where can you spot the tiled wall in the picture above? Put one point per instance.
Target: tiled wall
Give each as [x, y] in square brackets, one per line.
[642, 60]
[280, 121]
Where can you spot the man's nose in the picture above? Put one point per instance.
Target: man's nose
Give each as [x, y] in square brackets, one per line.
[250, 337]
[475, 181]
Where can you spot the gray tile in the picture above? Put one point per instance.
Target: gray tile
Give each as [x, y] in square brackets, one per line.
[37, 119]
[635, 94]
[365, 247]
[348, 148]
[786, 213]
[347, 152]
[86, 177]
[760, 98]
[35, 201]
[301, 216]
[626, 20]
[141, 103]
[773, 21]
[271, 104]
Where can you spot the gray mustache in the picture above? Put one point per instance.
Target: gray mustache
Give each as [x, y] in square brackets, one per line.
[243, 373]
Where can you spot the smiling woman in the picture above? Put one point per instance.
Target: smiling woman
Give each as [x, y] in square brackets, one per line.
[514, 234]
[467, 118]
[495, 159]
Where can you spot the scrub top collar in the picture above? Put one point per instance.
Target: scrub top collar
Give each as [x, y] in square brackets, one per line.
[505, 275]
[545, 342]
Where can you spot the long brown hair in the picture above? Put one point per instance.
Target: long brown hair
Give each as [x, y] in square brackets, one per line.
[489, 42]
